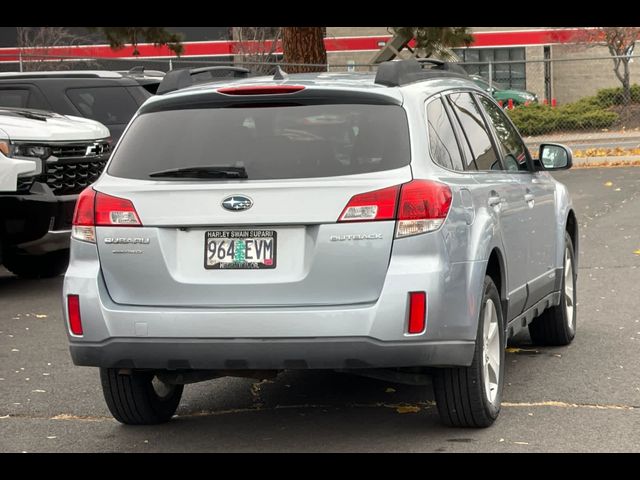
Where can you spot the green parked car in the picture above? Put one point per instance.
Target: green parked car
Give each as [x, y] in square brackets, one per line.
[502, 93]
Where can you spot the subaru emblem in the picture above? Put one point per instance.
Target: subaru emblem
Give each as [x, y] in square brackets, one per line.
[237, 203]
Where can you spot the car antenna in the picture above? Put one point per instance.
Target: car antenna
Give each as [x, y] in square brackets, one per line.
[280, 74]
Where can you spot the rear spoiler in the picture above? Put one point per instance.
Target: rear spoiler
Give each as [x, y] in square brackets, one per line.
[185, 77]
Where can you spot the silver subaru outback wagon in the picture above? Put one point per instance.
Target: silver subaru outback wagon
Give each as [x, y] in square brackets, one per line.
[330, 221]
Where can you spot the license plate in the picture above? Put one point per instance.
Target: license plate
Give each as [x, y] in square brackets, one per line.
[240, 249]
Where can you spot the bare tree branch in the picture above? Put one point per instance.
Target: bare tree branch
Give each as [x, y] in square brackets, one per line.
[35, 45]
[257, 47]
[620, 41]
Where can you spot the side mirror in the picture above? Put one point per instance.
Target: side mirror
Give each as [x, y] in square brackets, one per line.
[553, 156]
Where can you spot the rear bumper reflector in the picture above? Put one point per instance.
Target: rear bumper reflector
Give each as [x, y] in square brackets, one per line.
[417, 312]
[73, 308]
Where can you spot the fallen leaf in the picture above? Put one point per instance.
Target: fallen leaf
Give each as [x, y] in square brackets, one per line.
[408, 409]
[390, 390]
[521, 350]
[608, 184]
[637, 252]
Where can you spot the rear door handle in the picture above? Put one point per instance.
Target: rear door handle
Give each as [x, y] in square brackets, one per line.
[530, 199]
[494, 201]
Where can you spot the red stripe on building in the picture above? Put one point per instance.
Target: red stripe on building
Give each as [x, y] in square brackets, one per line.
[339, 44]
[532, 37]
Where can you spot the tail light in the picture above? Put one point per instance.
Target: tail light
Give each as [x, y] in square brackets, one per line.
[422, 207]
[376, 205]
[99, 209]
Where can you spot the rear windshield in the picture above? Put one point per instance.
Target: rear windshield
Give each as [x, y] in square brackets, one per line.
[271, 142]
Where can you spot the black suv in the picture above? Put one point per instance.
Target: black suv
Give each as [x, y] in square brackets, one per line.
[108, 97]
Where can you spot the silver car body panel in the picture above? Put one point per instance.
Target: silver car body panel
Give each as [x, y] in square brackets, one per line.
[332, 304]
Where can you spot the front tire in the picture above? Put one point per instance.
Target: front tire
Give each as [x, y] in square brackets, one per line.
[557, 325]
[139, 398]
[37, 266]
[471, 396]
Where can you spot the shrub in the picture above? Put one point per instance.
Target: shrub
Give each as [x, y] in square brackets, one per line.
[584, 114]
[607, 97]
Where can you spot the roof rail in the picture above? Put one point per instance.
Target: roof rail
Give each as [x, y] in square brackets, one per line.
[184, 77]
[61, 74]
[403, 72]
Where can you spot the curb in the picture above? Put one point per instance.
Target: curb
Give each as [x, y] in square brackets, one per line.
[610, 161]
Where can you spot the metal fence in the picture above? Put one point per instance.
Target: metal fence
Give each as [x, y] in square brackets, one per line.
[569, 97]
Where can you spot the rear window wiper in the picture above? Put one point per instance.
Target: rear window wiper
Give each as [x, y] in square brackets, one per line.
[212, 171]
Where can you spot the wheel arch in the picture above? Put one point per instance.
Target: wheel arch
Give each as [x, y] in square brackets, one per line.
[571, 227]
[496, 269]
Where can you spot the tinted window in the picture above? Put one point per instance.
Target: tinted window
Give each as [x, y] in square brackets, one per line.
[513, 149]
[14, 98]
[475, 131]
[269, 142]
[108, 105]
[442, 141]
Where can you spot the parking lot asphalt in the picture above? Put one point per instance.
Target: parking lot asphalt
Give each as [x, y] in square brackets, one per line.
[580, 398]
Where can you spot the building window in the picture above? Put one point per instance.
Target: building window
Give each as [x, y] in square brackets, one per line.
[510, 75]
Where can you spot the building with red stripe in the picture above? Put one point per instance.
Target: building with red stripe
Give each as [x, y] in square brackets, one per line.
[516, 55]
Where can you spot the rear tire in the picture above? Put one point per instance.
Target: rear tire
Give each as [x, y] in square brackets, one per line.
[136, 399]
[37, 266]
[557, 325]
[471, 396]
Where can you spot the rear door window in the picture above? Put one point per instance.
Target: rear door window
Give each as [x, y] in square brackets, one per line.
[269, 142]
[475, 130]
[108, 105]
[514, 150]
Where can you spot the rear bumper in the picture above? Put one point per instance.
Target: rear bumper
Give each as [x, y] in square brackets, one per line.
[329, 353]
[30, 217]
[369, 335]
[52, 241]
